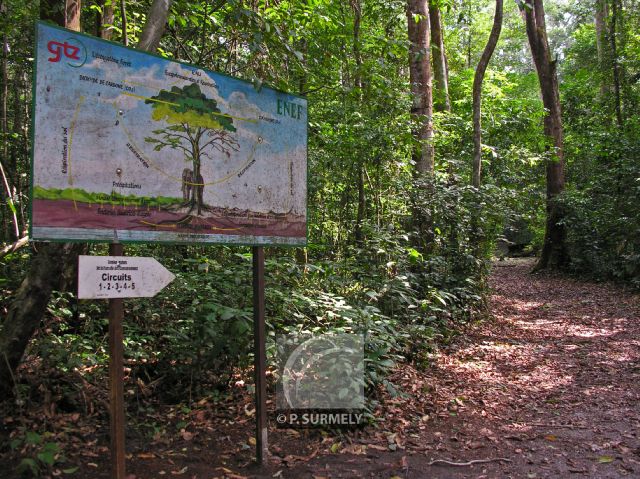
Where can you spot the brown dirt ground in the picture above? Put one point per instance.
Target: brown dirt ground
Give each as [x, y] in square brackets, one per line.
[548, 388]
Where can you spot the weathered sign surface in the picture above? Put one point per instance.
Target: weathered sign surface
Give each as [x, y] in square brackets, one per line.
[132, 146]
[101, 277]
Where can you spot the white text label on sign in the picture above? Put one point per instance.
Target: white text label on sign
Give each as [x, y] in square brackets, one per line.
[102, 277]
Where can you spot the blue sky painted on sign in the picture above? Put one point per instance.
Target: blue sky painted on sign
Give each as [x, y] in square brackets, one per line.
[81, 90]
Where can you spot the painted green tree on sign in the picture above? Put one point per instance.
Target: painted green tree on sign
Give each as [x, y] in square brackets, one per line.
[198, 128]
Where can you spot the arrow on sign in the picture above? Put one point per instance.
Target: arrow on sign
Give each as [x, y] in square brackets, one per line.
[103, 277]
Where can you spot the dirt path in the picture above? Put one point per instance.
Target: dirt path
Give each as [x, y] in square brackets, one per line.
[551, 385]
[549, 388]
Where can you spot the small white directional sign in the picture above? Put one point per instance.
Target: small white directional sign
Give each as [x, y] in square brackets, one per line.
[120, 277]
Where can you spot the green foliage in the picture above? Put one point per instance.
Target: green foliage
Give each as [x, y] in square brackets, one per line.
[601, 204]
[39, 454]
[603, 217]
[114, 198]
[188, 105]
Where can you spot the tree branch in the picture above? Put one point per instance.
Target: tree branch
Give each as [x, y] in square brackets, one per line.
[14, 246]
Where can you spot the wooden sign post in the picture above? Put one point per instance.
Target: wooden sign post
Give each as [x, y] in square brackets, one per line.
[115, 277]
[116, 379]
[260, 357]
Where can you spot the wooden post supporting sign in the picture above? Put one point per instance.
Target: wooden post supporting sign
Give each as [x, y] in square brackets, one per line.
[116, 380]
[115, 277]
[260, 356]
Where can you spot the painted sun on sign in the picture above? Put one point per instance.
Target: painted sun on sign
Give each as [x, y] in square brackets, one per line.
[131, 146]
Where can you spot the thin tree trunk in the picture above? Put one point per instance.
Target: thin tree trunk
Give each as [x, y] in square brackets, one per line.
[125, 31]
[477, 92]
[356, 7]
[18, 127]
[600, 16]
[441, 101]
[613, 34]
[23, 128]
[554, 251]
[421, 87]
[468, 33]
[4, 91]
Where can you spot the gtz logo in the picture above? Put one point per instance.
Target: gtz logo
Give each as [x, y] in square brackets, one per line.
[71, 49]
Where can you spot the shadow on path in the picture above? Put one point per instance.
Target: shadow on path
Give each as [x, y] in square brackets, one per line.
[551, 384]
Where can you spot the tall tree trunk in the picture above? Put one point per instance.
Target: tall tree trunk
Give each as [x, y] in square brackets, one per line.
[469, 39]
[554, 251]
[441, 101]
[356, 7]
[421, 88]
[72, 14]
[422, 115]
[125, 28]
[477, 92]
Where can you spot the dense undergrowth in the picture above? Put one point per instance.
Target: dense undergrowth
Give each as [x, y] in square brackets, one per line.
[195, 337]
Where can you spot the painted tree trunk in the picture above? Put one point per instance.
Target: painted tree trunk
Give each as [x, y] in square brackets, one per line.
[198, 186]
[494, 36]
[554, 251]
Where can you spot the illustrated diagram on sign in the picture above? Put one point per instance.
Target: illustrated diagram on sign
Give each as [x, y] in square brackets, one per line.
[137, 147]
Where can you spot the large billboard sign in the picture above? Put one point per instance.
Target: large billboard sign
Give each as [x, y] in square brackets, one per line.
[132, 146]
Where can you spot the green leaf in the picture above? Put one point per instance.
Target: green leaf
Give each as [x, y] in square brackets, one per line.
[33, 438]
[47, 457]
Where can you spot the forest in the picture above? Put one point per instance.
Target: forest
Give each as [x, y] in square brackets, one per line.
[473, 211]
